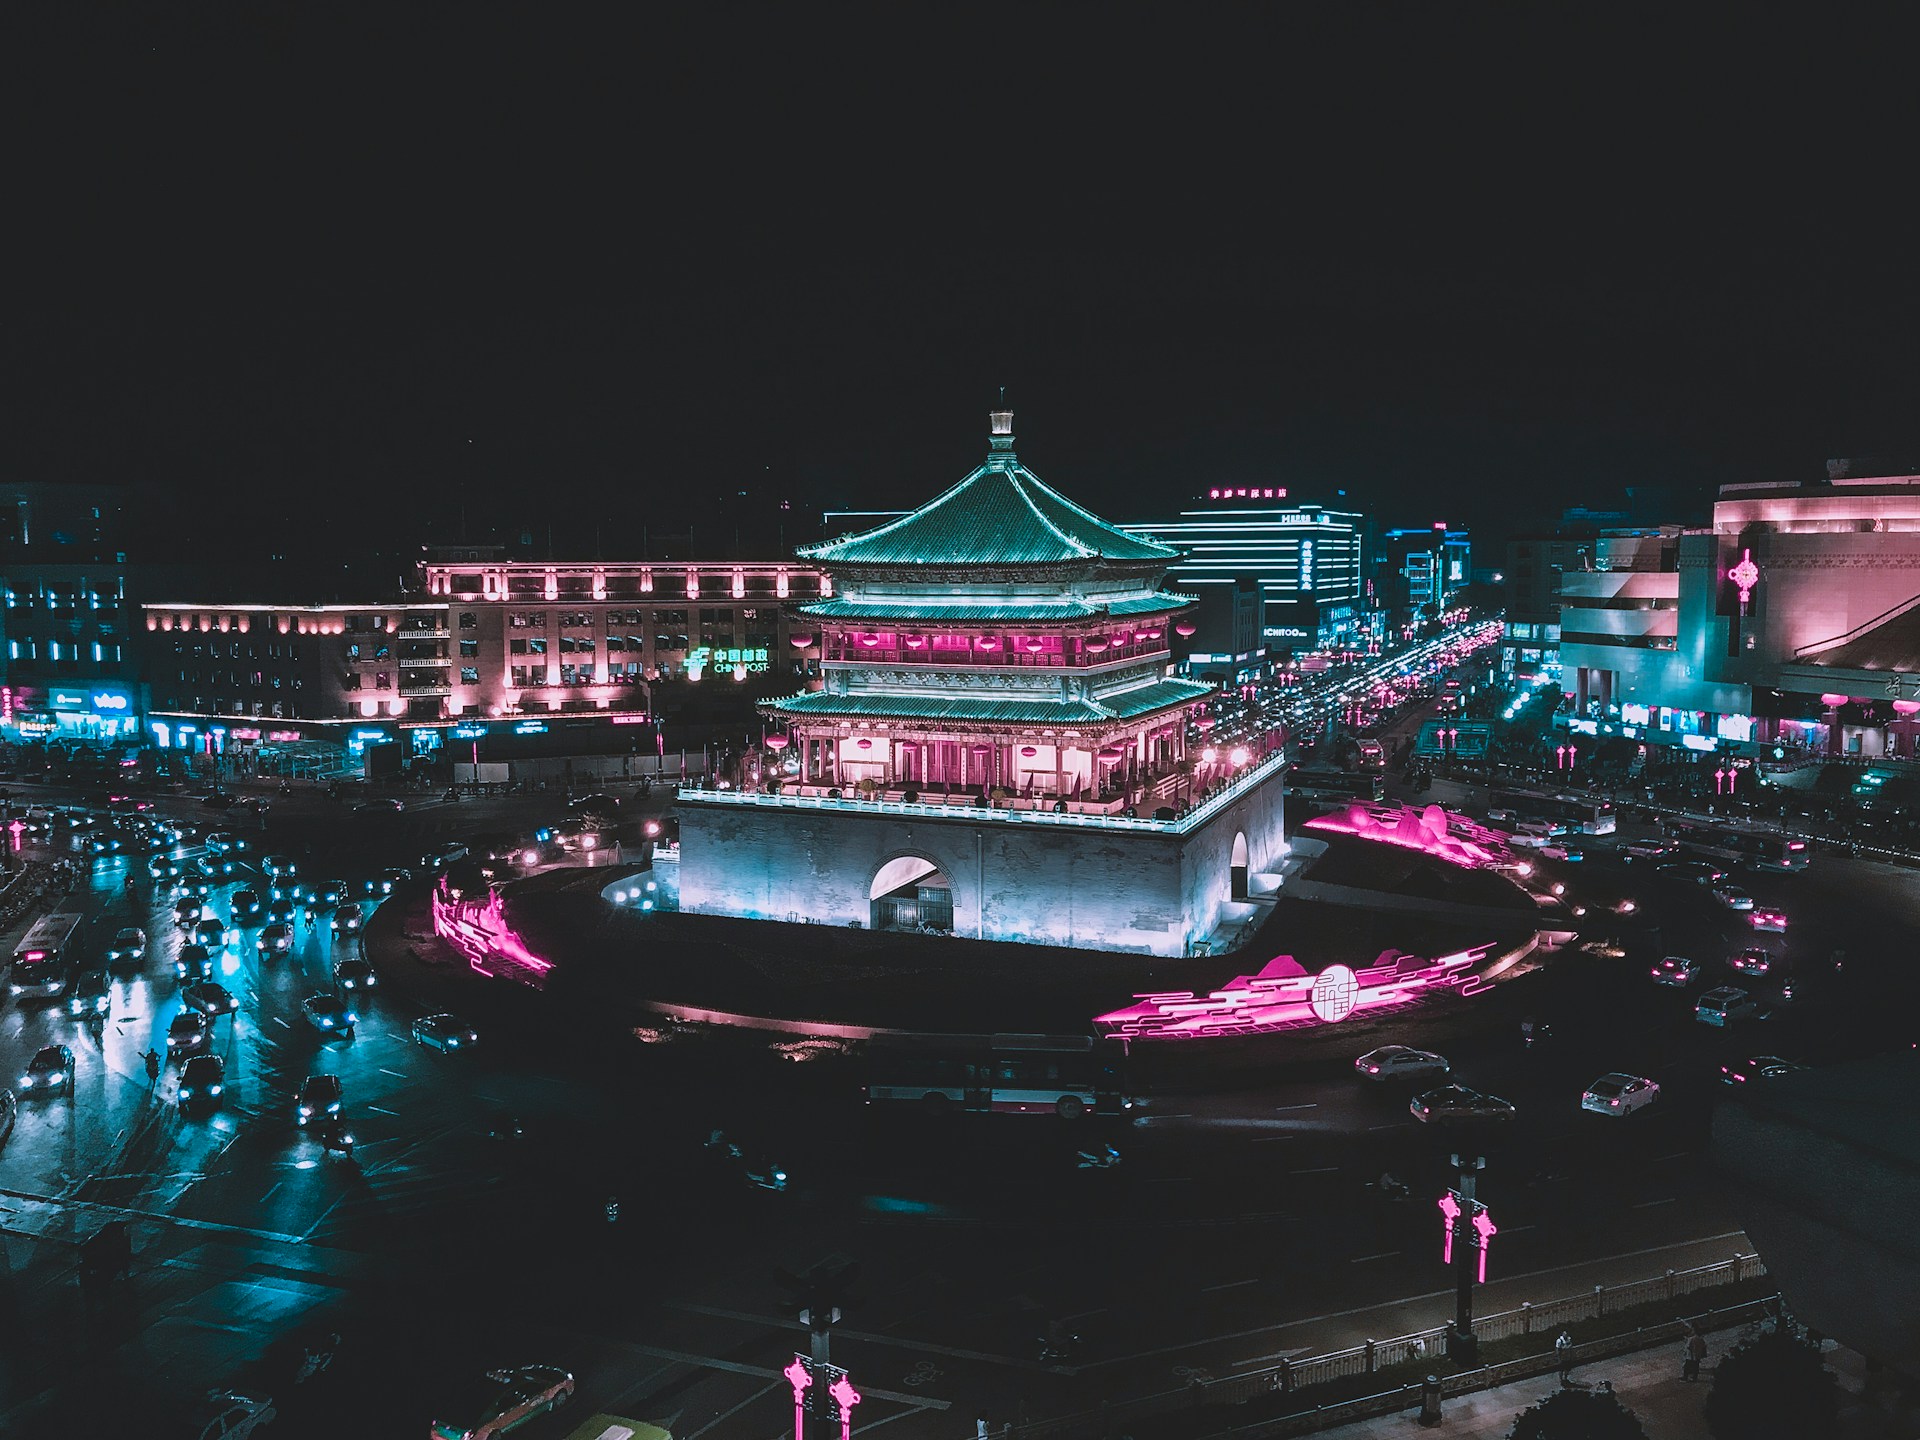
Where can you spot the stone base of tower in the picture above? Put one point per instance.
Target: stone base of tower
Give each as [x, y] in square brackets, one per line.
[1145, 887]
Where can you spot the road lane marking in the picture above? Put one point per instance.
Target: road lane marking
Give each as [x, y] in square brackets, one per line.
[1311, 1105]
[281, 1023]
[1187, 1116]
[1317, 1170]
[1383, 1255]
[395, 1073]
[1229, 1285]
[1271, 1139]
[383, 1110]
[403, 1039]
[1649, 1204]
[269, 1195]
[1676, 1155]
[729, 1414]
[734, 1367]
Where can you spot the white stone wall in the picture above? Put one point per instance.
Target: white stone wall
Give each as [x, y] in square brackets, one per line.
[1095, 888]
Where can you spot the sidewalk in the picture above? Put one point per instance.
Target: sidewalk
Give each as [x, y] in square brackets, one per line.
[1647, 1383]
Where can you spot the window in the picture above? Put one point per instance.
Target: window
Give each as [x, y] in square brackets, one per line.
[353, 682]
[576, 644]
[353, 652]
[469, 649]
[527, 620]
[469, 675]
[526, 676]
[382, 680]
[615, 643]
[468, 620]
[578, 620]
[537, 646]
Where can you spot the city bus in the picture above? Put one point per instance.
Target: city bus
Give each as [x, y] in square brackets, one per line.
[1064, 1075]
[1784, 853]
[1581, 813]
[43, 961]
[1324, 782]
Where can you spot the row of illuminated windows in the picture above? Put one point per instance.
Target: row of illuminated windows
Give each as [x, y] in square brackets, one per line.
[639, 619]
[64, 651]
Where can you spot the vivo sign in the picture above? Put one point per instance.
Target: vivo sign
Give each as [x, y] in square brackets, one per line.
[109, 702]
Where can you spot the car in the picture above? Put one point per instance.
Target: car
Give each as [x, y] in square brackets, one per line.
[107, 844]
[193, 887]
[187, 1034]
[386, 803]
[1725, 1005]
[1561, 850]
[214, 933]
[246, 908]
[319, 1099]
[1619, 1095]
[89, 997]
[281, 908]
[212, 867]
[443, 856]
[225, 842]
[384, 882]
[279, 867]
[230, 1415]
[50, 1069]
[1391, 1062]
[1698, 871]
[503, 1401]
[202, 1079]
[327, 892]
[1732, 897]
[210, 998]
[348, 919]
[187, 911]
[1751, 961]
[128, 943]
[604, 806]
[355, 975]
[192, 962]
[1765, 919]
[217, 800]
[330, 1015]
[445, 1032]
[1676, 970]
[1457, 1102]
[274, 939]
[1757, 1067]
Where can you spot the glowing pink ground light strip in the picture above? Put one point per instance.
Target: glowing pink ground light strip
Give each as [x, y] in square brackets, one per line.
[479, 931]
[1280, 997]
[1432, 831]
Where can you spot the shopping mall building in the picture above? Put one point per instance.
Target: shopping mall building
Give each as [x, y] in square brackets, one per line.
[1792, 622]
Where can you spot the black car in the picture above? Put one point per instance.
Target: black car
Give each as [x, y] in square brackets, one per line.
[89, 997]
[202, 1079]
[319, 1099]
[246, 908]
[193, 963]
[274, 939]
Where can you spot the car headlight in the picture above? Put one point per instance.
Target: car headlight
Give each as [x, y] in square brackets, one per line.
[186, 1092]
[453, 1040]
[26, 1081]
[306, 1109]
[213, 1089]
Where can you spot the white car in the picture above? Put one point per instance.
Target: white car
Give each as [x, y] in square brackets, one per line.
[1725, 1005]
[1733, 897]
[1617, 1094]
[1390, 1062]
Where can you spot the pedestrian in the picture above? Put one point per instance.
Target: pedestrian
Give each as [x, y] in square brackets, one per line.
[1696, 1352]
[1563, 1348]
[152, 1058]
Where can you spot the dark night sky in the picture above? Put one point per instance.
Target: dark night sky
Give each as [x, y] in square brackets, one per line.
[554, 271]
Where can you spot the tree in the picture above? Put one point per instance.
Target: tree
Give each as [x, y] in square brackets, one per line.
[1578, 1415]
[1775, 1386]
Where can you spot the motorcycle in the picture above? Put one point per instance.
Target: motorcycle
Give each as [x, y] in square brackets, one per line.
[334, 1136]
[1104, 1158]
[763, 1175]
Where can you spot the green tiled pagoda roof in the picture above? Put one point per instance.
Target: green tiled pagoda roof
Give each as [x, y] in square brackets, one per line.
[1001, 514]
[1160, 695]
[934, 613]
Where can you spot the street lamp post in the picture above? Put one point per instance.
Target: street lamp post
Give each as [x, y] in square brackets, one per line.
[1465, 1240]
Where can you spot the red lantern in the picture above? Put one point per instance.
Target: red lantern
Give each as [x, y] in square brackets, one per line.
[1183, 629]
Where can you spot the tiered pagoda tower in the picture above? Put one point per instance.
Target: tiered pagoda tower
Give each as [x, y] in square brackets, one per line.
[995, 750]
[999, 638]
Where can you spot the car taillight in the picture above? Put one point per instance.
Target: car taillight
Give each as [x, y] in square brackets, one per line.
[1614, 1103]
[1373, 1069]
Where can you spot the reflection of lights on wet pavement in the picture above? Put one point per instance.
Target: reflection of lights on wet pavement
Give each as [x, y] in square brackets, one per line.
[220, 1122]
[305, 1164]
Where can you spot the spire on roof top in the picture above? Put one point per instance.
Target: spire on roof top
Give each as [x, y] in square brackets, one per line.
[1001, 420]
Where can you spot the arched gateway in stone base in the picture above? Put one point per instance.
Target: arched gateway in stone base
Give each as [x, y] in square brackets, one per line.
[997, 742]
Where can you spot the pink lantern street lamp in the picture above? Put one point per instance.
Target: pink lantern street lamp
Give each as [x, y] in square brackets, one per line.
[1184, 630]
[800, 642]
[777, 742]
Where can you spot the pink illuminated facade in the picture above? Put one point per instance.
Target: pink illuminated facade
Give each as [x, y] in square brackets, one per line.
[1792, 621]
[1430, 830]
[477, 926]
